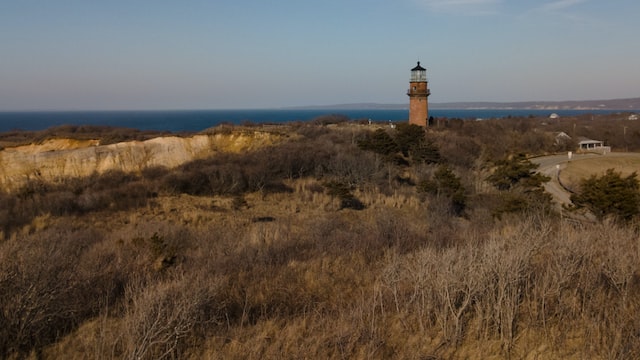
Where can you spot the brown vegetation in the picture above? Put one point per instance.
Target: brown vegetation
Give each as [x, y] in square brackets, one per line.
[104, 134]
[319, 248]
[579, 169]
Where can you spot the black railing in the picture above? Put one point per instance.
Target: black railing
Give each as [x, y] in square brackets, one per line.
[418, 92]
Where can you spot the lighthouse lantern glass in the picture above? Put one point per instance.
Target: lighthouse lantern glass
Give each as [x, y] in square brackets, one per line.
[418, 75]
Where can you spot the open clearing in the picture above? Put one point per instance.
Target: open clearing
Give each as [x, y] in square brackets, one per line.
[583, 168]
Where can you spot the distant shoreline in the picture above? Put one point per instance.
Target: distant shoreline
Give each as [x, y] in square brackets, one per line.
[630, 104]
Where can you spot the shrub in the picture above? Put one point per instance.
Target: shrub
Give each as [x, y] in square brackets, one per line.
[330, 119]
[516, 171]
[425, 152]
[408, 136]
[458, 150]
[379, 142]
[45, 292]
[445, 183]
[522, 186]
[160, 318]
[610, 195]
[354, 167]
[343, 192]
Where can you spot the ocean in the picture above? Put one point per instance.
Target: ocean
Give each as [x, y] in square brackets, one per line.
[197, 120]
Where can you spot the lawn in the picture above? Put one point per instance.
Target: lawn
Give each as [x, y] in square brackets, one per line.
[583, 168]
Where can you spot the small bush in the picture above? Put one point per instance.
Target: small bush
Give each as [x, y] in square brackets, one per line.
[445, 183]
[343, 192]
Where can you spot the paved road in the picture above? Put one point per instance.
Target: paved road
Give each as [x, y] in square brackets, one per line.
[553, 165]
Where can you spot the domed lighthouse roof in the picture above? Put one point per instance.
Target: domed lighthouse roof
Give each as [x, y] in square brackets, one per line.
[418, 68]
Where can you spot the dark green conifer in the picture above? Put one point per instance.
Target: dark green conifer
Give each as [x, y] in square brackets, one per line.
[610, 194]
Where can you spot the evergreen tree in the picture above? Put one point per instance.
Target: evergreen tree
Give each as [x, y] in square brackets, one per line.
[516, 171]
[425, 152]
[610, 194]
[523, 188]
[379, 142]
[408, 136]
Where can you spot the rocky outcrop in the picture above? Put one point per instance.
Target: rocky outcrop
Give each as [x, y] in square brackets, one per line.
[62, 158]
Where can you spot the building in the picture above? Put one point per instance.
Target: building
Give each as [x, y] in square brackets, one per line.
[562, 139]
[418, 93]
[588, 145]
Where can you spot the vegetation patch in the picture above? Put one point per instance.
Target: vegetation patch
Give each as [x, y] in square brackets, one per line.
[584, 168]
[610, 195]
[453, 252]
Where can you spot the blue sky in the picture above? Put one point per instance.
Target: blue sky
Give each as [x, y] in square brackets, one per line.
[221, 54]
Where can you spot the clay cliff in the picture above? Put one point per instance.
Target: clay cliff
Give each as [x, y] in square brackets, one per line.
[61, 158]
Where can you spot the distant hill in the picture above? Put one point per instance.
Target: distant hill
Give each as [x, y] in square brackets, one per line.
[354, 106]
[614, 104]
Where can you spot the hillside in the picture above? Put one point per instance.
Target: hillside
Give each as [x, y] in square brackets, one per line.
[55, 159]
[344, 241]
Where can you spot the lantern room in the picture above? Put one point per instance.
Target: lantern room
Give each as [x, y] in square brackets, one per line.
[418, 74]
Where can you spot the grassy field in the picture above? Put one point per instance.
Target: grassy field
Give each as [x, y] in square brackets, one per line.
[584, 168]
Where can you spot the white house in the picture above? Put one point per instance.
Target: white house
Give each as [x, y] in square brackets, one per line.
[588, 145]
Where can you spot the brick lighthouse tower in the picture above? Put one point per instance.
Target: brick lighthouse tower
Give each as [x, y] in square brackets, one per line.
[418, 93]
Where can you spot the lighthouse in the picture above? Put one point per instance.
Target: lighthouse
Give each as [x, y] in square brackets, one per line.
[418, 94]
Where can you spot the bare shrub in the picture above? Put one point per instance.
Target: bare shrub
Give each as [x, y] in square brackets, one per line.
[556, 270]
[111, 191]
[458, 150]
[44, 294]
[443, 227]
[537, 142]
[232, 174]
[505, 293]
[610, 304]
[475, 290]
[160, 317]
[355, 167]
[506, 258]
[447, 284]
[393, 230]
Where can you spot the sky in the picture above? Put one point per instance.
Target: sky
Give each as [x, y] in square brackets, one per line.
[235, 54]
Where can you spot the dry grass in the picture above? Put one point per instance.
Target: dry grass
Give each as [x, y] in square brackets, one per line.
[291, 274]
[584, 168]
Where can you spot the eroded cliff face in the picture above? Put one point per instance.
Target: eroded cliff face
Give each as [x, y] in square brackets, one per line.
[62, 158]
